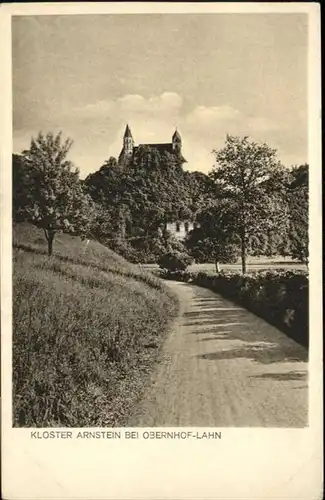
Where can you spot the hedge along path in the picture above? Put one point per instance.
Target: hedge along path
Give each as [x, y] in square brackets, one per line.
[223, 366]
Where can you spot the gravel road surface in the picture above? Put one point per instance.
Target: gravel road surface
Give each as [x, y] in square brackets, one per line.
[223, 366]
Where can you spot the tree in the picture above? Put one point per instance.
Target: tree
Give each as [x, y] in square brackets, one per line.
[20, 181]
[55, 199]
[300, 176]
[111, 162]
[244, 171]
[215, 238]
[299, 207]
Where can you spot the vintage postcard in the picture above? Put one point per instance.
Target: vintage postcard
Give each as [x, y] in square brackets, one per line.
[161, 298]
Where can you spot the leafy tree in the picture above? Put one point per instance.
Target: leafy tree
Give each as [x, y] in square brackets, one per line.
[111, 162]
[300, 176]
[215, 238]
[299, 206]
[20, 186]
[171, 243]
[55, 199]
[244, 171]
[292, 186]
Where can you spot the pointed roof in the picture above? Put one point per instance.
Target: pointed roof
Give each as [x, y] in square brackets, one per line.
[176, 135]
[127, 132]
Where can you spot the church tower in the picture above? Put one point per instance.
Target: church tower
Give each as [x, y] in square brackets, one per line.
[130, 150]
[128, 142]
[177, 143]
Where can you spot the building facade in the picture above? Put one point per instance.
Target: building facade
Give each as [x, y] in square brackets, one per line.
[180, 228]
[129, 149]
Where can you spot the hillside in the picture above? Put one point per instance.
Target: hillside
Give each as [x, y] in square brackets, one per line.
[87, 329]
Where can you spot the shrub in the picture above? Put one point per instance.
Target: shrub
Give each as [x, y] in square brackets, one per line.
[175, 261]
[144, 250]
[278, 296]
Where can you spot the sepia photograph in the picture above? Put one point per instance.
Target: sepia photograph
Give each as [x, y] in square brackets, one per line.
[160, 199]
[161, 257]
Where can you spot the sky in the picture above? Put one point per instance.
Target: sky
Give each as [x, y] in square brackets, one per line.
[206, 74]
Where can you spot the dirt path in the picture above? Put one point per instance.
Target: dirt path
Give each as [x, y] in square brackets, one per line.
[223, 366]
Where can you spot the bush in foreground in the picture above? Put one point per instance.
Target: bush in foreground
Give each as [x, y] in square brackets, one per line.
[175, 261]
[280, 297]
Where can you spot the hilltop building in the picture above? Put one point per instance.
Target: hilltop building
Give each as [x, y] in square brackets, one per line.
[180, 228]
[129, 149]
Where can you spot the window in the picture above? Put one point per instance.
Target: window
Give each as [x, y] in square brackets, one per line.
[186, 227]
[178, 227]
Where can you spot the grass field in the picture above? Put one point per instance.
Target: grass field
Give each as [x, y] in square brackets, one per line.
[87, 330]
[253, 264]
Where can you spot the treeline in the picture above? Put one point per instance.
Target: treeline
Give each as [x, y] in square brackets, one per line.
[249, 204]
[255, 217]
[135, 201]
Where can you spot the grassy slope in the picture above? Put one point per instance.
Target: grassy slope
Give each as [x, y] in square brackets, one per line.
[87, 329]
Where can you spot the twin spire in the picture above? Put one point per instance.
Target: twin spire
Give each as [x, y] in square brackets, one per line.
[127, 133]
[129, 148]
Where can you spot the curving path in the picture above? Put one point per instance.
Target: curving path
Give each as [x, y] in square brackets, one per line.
[223, 366]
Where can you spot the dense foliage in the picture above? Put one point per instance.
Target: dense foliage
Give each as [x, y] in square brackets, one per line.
[299, 207]
[175, 261]
[137, 199]
[248, 205]
[215, 239]
[280, 297]
[247, 173]
[47, 190]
